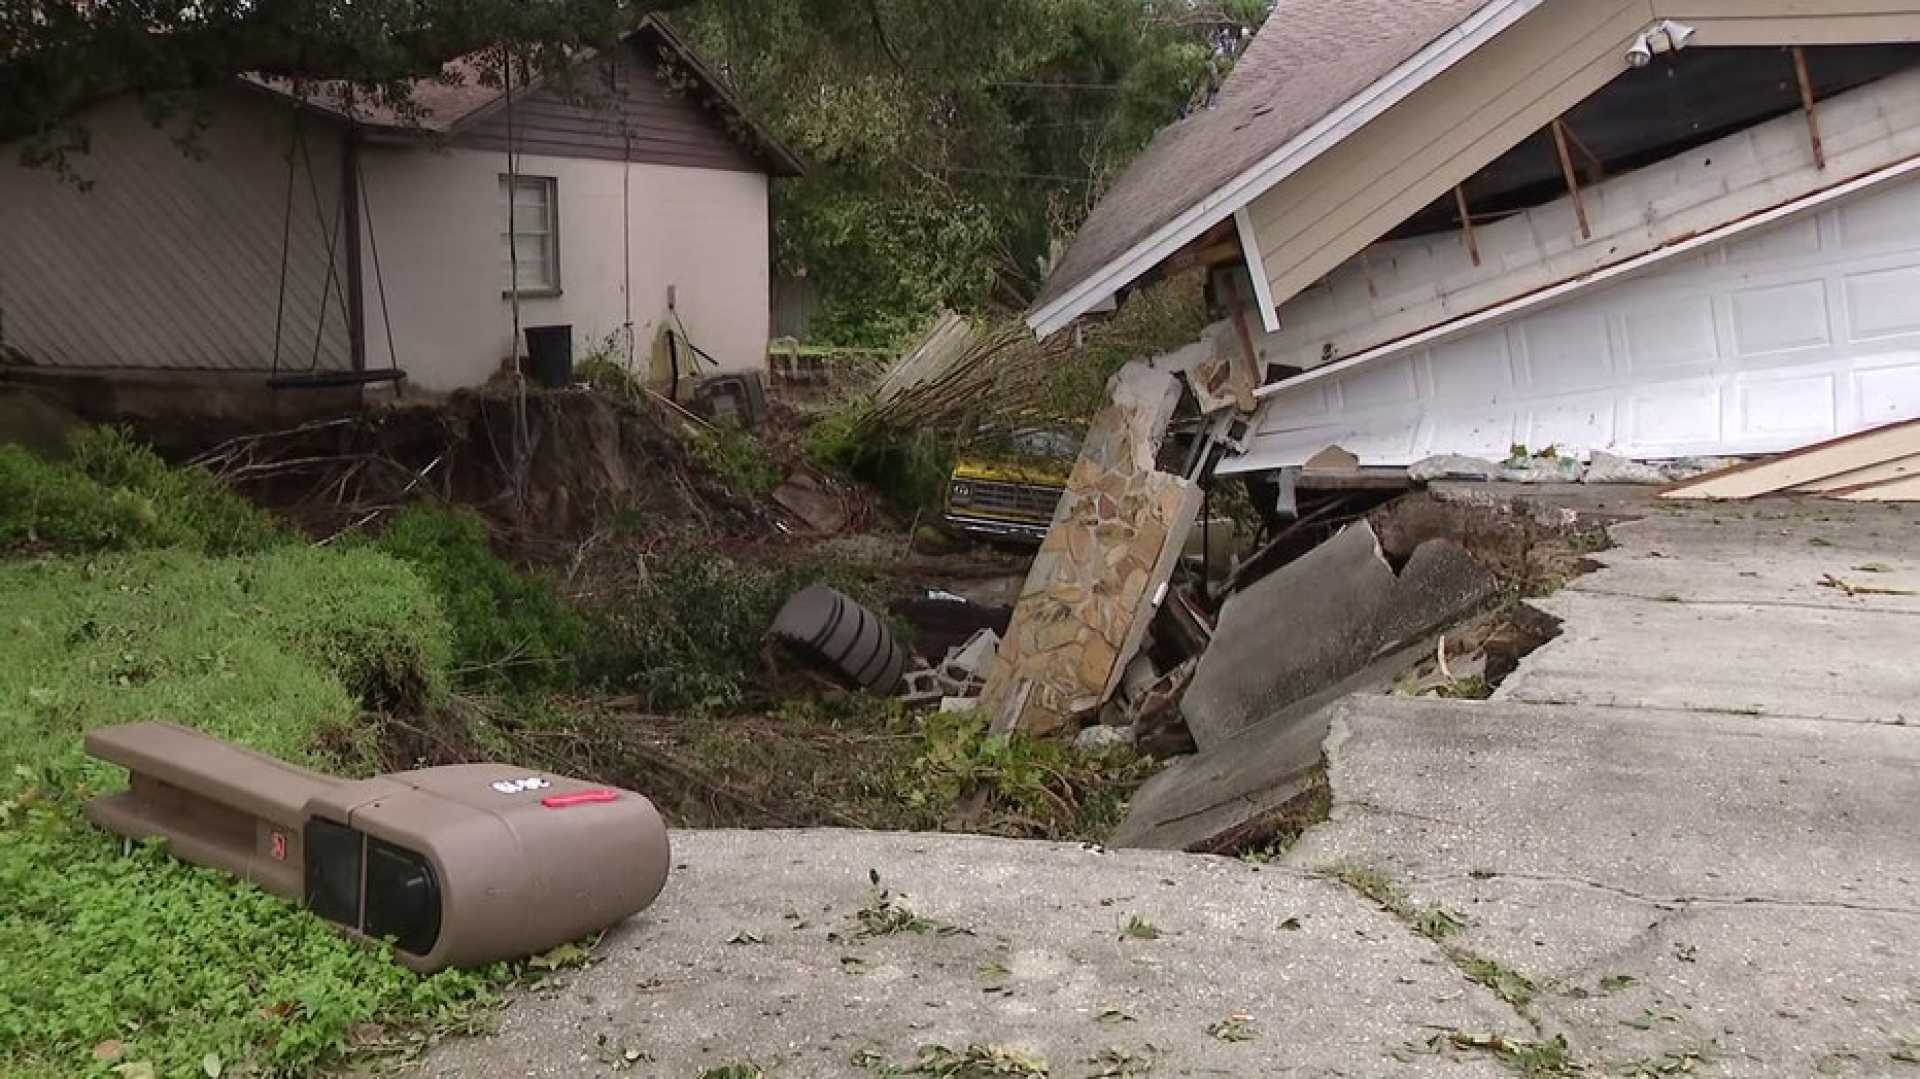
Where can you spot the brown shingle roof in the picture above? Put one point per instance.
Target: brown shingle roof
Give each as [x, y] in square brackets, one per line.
[469, 85]
[1309, 58]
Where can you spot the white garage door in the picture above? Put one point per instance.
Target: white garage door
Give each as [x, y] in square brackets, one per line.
[1804, 331]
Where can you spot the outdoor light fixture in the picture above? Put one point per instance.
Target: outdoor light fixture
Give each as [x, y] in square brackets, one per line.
[458, 866]
[1662, 37]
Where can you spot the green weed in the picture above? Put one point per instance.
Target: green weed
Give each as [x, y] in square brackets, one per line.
[1041, 783]
[737, 458]
[909, 468]
[688, 634]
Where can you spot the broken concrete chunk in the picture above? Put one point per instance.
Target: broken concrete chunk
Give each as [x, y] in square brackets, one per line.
[1541, 470]
[807, 498]
[1197, 801]
[1607, 468]
[972, 661]
[1686, 468]
[1098, 739]
[1452, 466]
[1320, 620]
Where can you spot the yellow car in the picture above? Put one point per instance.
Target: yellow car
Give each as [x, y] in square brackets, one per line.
[1007, 488]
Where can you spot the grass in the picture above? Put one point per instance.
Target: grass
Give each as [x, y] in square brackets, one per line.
[279, 651]
[152, 593]
[113, 494]
[509, 631]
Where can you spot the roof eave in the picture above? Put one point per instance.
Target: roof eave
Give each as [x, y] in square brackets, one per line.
[1383, 94]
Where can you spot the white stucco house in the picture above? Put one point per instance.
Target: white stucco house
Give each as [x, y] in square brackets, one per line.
[1655, 228]
[311, 239]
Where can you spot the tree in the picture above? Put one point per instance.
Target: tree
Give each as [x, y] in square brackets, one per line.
[59, 56]
[955, 144]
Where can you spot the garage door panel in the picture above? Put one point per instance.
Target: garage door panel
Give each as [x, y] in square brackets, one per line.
[1810, 330]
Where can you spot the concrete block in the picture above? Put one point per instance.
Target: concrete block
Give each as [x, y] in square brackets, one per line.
[1320, 620]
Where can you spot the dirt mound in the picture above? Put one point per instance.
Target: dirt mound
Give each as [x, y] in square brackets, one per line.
[593, 459]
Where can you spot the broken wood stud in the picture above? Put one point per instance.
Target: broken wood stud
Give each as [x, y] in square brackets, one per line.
[1807, 105]
[1573, 179]
[1466, 223]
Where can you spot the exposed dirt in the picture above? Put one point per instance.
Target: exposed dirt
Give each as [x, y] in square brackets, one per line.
[593, 459]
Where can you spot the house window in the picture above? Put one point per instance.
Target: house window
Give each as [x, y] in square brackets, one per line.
[534, 238]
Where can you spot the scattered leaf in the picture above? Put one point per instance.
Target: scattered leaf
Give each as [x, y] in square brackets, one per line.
[1114, 1015]
[1139, 929]
[108, 1051]
[1613, 983]
[1234, 1028]
[212, 1065]
[745, 937]
[1290, 924]
[138, 1069]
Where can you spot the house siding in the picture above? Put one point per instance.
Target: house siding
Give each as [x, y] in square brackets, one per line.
[1399, 288]
[171, 260]
[633, 116]
[435, 218]
[1557, 56]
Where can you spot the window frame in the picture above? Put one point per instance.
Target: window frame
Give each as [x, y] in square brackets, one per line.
[551, 186]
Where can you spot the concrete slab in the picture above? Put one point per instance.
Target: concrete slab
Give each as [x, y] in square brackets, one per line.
[1744, 658]
[1702, 559]
[1319, 620]
[1672, 882]
[1032, 957]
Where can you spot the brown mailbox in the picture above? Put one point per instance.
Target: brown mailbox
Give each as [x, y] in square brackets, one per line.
[459, 866]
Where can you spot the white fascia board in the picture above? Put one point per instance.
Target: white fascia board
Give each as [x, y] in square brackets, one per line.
[1520, 305]
[1386, 92]
[1257, 269]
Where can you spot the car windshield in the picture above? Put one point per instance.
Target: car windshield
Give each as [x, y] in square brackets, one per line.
[1051, 442]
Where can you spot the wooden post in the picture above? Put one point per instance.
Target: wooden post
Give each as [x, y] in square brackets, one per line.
[1573, 180]
[1806, 103]
[1466, 223]
[356, 280]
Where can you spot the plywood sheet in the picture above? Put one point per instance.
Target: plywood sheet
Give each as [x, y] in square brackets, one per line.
[1900, 490]
[1864, 477]
[1806, 465]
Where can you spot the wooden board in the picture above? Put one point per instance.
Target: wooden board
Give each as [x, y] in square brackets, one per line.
[1863, 477]
[1808, 464]
[1906, 489]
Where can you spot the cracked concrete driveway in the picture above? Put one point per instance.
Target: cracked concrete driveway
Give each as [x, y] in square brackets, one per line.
[1693, 820]
[754, 955]
[1685, 838]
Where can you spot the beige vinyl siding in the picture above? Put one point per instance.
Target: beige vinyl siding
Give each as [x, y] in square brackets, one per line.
[1439, 136]
[1515, 85]
[172, 261]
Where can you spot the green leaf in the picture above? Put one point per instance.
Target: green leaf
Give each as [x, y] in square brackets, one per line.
[211, 1065]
